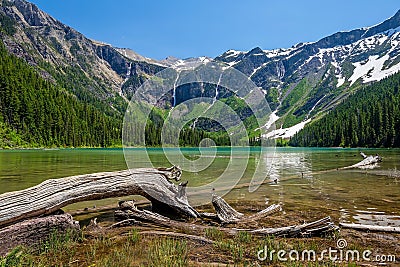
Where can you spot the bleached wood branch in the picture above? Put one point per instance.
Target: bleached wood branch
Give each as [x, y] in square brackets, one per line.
[54, 194]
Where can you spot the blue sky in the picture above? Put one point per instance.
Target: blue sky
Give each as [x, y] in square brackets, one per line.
[158, 29]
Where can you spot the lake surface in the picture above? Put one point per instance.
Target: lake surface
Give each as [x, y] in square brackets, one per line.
[298, 178]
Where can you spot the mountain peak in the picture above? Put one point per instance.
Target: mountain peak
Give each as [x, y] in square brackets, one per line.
[256, 50]
[32, 15]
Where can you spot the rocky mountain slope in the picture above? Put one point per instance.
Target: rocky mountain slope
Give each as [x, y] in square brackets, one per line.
[95, 72]
[300, 83]
[309, 78]
[368, 118]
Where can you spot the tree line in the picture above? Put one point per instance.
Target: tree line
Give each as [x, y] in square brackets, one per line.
[368, 118]
[44, 115]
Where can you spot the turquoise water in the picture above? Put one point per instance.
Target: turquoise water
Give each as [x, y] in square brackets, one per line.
[303, 178]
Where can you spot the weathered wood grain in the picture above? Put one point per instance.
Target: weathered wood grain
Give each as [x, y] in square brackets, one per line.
[32, 232]
[316, 228]
[53, 194]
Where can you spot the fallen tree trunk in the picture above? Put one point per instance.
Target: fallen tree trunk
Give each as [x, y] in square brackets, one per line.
[32, 232]
[51, 195]
[317, 228]
[367, 162]
[372, 228]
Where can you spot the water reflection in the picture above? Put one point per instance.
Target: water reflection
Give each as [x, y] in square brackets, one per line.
[371, 216]
[314, 180]
[306, 179]
[289, 164]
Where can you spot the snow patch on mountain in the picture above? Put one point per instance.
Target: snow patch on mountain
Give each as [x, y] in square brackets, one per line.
[373, 41]
[231, 64]
[232, 53]
[367, 69]
[315, 105]
[271, 120]
[278, 52]
[338, 74]
[257, 69]
[373, 69]
[340, 80]
[189, 63]
[287, 132]
[205, 59]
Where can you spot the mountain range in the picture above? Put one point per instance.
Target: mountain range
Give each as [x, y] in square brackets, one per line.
[308, 79]
[301, 83]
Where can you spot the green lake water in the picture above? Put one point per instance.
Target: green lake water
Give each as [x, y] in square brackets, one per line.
[298, 178]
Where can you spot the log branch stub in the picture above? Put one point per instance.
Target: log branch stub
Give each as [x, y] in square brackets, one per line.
[254, 217]
[182, 192]
[264, 213]
[225, 212]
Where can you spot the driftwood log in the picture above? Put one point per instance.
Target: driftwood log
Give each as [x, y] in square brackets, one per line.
[372, 228]
[317, 228]
[53, 194]
[368, 162]
[34, 231]
[19, 211]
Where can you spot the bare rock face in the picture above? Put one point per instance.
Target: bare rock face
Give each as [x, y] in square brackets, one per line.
[32, 14]
[299, 82]
[63, 55]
